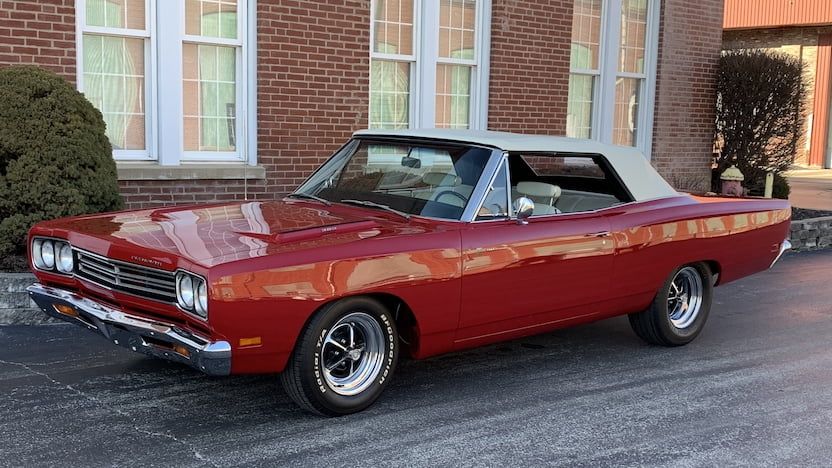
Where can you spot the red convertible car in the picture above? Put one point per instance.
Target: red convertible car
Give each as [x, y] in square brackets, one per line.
[416, 242]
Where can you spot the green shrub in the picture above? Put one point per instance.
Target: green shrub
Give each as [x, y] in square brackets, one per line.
[55, 159]
[781, 187]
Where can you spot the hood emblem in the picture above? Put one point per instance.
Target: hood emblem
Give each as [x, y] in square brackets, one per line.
[146, 261]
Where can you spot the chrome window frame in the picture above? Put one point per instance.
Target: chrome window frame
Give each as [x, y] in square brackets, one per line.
[503, 160]
[489, 173]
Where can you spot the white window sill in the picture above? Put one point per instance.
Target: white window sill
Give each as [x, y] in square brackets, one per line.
[148, 171]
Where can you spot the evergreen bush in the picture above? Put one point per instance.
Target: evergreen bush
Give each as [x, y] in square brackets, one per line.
[55, 159]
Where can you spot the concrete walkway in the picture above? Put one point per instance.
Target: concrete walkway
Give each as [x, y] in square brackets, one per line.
[811, 188]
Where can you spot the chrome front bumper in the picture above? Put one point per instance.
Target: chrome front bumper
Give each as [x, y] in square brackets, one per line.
[784, 247]
[139, 334]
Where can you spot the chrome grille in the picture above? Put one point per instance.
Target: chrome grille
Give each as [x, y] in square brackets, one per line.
[129, 278]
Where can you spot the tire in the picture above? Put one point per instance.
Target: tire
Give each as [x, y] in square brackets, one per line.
[357, 339]
[680, 309]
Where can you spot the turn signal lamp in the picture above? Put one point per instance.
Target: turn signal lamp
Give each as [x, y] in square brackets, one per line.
[254, 341]
[66, 310]
[181, 350]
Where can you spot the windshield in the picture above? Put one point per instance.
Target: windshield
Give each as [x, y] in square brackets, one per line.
[434, 180]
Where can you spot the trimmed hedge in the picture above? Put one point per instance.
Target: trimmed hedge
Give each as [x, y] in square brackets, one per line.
[55, 159]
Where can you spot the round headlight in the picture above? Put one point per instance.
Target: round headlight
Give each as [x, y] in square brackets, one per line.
[202, 299]
[66, 262]
[185, 291]
[47, 254]
[36, 258]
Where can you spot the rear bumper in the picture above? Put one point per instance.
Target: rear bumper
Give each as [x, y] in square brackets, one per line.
[784, 247]
[139, 334]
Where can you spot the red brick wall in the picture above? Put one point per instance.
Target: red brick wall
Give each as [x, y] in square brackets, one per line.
[39, 33]
[313, 92]
[689, 48]
[313, 83]
[530, 48]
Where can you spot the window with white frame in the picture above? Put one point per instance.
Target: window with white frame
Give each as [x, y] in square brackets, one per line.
[428, 64]
[612, 71]
[116, 48]
[169, 76]
[584, 65]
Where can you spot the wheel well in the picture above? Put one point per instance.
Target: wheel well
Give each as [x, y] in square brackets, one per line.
[406, 323]
[715, 268]
[405, 320]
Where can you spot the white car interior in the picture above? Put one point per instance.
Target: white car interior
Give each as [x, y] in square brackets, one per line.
[444, 187]
[542, 194]
[564, 183]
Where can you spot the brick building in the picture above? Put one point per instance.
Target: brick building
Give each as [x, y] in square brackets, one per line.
[802, 29]
[218, 99]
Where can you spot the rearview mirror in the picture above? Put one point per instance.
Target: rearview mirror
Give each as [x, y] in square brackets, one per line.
[523, 209]
[409, 161]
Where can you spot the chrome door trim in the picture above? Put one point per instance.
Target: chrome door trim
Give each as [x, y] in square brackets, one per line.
[489, 173]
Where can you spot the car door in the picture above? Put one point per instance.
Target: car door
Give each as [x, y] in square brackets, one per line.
[552, 269]
[522, 275]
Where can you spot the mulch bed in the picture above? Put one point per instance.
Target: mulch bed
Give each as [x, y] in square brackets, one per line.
[14, 264]
[803, 213]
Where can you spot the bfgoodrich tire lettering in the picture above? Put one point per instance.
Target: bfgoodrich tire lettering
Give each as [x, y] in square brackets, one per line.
[344, 358]
[680, 309]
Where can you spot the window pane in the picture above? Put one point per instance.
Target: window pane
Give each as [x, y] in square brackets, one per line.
[633, 35]
[586, 34]
[116, 13]
[393, 27]
[566, 183]
[389, 94]
[625, 122]
[453, 96]
[457, 22]
[435, 181]
[210, 97]
[495, 204]
[211, 18]
[114, 83]
[579, 107]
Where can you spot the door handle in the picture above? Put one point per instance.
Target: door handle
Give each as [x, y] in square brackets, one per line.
[599, 234]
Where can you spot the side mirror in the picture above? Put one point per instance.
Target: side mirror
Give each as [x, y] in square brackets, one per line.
[523, 208]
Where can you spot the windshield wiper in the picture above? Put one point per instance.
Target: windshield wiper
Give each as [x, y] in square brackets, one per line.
[380, 206]
[309, 196]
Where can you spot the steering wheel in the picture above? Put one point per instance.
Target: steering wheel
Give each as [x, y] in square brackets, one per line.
[451, 192]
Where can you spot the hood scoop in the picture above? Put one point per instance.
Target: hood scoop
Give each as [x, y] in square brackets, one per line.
[312, 232]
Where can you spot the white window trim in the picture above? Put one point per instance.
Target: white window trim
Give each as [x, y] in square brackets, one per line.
[164, 107]
[425, 57]
[149, 78]
[603, 99]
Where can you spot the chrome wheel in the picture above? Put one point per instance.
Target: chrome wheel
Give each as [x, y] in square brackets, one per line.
[684, 300]
[352, 354]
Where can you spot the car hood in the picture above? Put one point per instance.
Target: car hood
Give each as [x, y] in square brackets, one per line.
[213, 234]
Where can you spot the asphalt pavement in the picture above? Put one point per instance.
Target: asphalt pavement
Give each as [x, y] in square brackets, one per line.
[755, 389]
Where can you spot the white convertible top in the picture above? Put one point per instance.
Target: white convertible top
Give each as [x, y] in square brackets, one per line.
[635, 171]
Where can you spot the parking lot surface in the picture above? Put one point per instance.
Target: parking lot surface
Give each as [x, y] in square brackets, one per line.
[754, 389]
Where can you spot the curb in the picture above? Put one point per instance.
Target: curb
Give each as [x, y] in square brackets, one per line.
[15, 306]
[811, 234]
